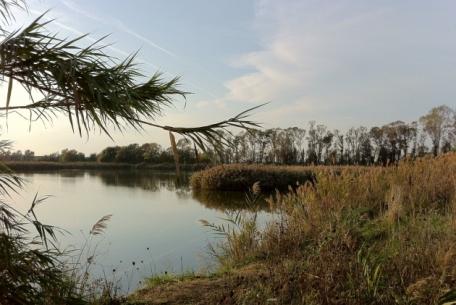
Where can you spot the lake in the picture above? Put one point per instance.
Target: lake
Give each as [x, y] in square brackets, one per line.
[154, 226]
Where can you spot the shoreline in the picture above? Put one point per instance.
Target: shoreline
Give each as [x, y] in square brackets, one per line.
[28, 166]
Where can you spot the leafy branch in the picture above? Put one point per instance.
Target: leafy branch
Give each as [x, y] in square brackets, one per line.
[93, 89]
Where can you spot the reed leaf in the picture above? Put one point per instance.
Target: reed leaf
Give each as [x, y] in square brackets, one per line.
[93, 89]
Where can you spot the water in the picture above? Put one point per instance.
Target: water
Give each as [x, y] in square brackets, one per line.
[154, 226]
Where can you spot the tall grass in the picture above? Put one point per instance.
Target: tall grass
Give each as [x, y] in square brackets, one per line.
[239, 177]
[356, 236]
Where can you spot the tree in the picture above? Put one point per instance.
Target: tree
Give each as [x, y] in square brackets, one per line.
[355, 139]
[186, 151]
[108, 154]
[92, 157]
[129, 154]
[339, 146]
[452, 131]
[312, 143]
[299, 135]
[54, 157]
[436, 124]
[71, 155]
[29, 155]
[151, 152]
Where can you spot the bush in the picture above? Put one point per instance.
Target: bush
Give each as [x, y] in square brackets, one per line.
[71, 155]
[31, 271]
[239, 177]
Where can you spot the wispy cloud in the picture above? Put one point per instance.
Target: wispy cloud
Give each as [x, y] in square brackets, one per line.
[123, 28]
[333, 62]
[77, 32]
[118, 24]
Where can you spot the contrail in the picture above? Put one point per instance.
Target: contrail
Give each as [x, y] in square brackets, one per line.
[125, 29]
[122, 27]
[72, 6]
[79, 33]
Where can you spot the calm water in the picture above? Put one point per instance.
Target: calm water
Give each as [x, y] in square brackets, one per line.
[155, 219]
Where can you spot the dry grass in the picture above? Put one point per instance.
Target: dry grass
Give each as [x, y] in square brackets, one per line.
[240, 177]
[357, 236]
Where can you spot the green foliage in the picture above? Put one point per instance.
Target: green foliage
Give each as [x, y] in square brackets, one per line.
[32, 276]
[71, 155]
[150, 153]
[81, 81]
[107, 155]
[31, 270]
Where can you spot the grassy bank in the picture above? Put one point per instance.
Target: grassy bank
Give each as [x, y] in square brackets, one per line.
[239, 177]
[375, 236]
[50, 166]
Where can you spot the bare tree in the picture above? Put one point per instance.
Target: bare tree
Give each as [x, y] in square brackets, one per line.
[437, 123]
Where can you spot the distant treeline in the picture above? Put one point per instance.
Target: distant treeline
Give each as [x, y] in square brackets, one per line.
[152, 153]
[433, 133]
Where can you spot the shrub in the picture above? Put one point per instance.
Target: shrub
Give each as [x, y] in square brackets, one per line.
[239, 177]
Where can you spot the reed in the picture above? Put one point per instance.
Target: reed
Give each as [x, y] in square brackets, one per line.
[352, 236]
[239, 177]
[377, 236]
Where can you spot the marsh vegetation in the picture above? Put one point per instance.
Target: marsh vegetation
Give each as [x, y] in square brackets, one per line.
[365, 216]
[357, 236]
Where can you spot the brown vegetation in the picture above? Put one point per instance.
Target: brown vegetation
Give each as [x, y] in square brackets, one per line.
[357, 236]
[239, 177]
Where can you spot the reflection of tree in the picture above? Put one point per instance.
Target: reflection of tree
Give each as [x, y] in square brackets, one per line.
[155, 181]
[223, 200]
[151, 181]
[71, 174]
[60, 173]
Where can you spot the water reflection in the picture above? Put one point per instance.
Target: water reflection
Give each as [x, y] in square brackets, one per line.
[224, 201]
[155, 181]
[155, 217]
[146, 180]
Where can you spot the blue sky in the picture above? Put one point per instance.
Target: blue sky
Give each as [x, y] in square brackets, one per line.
[342, 63]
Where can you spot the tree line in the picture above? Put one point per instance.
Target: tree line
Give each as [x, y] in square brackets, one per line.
[133, 153]
[433, 133]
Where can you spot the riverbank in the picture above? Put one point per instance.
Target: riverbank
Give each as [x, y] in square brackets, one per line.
[357, 236]
[51, 166]
[195, 289]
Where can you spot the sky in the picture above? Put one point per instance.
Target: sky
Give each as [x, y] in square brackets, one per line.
[341, 63]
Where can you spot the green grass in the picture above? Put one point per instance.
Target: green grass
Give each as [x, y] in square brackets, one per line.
[164, 278]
